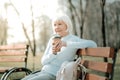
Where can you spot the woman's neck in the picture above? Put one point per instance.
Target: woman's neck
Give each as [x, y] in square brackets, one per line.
[64, 34]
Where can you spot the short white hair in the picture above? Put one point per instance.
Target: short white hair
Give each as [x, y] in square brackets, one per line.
[65, 19]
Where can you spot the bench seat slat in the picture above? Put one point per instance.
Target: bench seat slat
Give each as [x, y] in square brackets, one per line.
[15, 46]
[97, 52]
[99, 66]
[94, 77]
[12, 53]
[22, 59]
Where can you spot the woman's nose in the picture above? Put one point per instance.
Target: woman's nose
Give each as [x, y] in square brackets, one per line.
[56, 27]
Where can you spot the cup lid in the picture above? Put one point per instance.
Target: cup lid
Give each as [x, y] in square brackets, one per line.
[56, 36]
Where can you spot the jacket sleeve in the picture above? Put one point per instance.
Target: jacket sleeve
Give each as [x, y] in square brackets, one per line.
[81, 43]
[48, 56]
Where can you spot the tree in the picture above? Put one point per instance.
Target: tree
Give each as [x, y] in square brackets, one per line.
[31, 44]
[112, 24]
[3, 31]
[99, 21]
[45, 30]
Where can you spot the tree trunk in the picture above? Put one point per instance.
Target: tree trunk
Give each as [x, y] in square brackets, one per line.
[92, 28]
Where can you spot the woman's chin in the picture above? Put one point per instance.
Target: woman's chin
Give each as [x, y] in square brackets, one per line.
[58, 33]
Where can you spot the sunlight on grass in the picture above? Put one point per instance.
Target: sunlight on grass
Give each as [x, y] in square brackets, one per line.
[34, 63]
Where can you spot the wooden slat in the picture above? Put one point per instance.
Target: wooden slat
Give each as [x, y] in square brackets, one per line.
[22, 59]
[98, 66]
[95, 77]
[98, 52]
[14, 46]
[3, 69]
[12, 53]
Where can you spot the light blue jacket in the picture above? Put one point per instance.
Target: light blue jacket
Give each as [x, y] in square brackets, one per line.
[51, 63]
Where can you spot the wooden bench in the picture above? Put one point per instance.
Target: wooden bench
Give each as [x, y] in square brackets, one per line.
[93, 60]
[13, 58]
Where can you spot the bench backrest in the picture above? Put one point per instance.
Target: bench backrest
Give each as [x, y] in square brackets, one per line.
[12, 56]
[98, 69]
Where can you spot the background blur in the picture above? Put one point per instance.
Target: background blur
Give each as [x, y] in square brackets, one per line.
[29, 21]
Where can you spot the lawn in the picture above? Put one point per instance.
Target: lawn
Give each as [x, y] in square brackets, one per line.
[117, 68]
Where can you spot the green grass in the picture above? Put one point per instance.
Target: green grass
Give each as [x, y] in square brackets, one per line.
[35, 64]
[117, 68]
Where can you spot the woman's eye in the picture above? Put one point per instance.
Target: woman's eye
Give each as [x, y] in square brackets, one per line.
[54, 24]
[59, 24]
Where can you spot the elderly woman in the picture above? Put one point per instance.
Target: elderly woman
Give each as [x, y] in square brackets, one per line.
[68, 45]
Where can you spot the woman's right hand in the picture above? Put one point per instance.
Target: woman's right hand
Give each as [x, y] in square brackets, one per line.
[56, 46]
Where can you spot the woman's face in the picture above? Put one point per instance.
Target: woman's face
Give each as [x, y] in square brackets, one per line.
[60, 28]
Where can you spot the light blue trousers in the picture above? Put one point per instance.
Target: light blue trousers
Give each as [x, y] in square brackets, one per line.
[40, 76]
